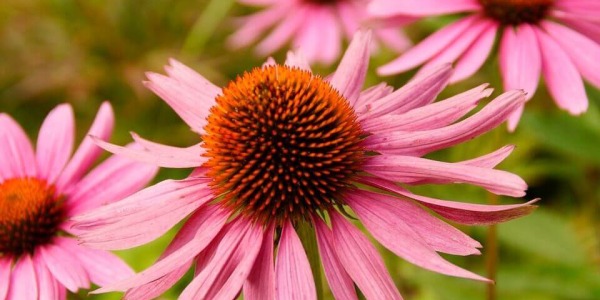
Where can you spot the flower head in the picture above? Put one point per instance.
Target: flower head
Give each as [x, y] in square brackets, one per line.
[532, 42]
[41, 190]
[316, 27]
[283, 148]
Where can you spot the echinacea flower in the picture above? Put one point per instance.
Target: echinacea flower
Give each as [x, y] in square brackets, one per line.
[40, 190]
[316, 27]
[283, 148]
[532, 42]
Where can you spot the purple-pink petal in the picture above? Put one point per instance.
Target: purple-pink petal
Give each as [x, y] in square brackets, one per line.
[55, 142]
[293, 275]
[350, 74]
[340, 283]
[5, 271]
[64, 265]
[361, 260]
[23, 282]
[16, 153]
[260, 284]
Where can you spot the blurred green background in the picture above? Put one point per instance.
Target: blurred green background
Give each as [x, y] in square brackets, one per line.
[87, 51]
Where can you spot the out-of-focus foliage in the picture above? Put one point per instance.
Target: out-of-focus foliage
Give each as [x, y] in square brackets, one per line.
[85, 52]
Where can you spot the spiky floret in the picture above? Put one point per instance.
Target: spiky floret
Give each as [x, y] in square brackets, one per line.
[515, 12]
[30, 214]
[282, 144]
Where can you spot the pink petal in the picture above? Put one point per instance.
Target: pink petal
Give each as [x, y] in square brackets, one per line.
[398, 168]
[293, 275]
[101, 266]
[589, 29]
[433, 116]
[464, 213]
[422, 142]
[490, 160]
[383, 8]
[361, 260]
[23, 283]
[562, 77]
[407, 229]
[223, 276]
[340, 283]
[581, 50]
[55, 142]
[319, 40]
[283, 32]
[87, 152]
[428, 48]
[189, 103]
[350, 75]
[251, 27]
[476, 54]
[114, 179]
[63, 264]
[144, 216]
[520, 61]
[157, 154]
[418, 92]
[393, 38]
[455, 49]
[260, 284]
[201, 87]
[48, 287]
[194, 236]
[370, 95]
[297, 60]
[5, 271]
[16, 153]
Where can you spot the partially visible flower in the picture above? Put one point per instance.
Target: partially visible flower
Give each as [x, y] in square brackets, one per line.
[532, 42]
[283, 148]
[315, 27]
[41, 190]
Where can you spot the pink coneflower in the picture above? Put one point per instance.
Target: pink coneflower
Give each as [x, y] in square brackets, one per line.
[282, 149]
[316, 27]
[41, 190]
[531, 42]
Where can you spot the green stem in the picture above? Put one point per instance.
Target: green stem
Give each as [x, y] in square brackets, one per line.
[309, 240]
[205, 25]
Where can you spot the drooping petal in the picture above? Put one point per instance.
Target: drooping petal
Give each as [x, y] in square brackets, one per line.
[283, 31]
[293, 275]
[63, 264]
[463, 213]
[418, 92]
[260, 284]
[251, 27]
[581, 50]
[428, 48]
[520, 61]
[55, 142]
[157, 154]
[223, 275]
[23, 282]
[433, 116]
[361, 260]
[114, 179]
[412, 233]
[340, 283]
[350, 74]
[562, 77]
[422, 142]
[48, 287]
[194, 236]
[101, 266]
[406, 168]
[5, 271]
[319, 40]
[384, 8]
[144, 216]
[16, 153]
[490, 160]
[474, 57]
[467, 40]
[87, 152]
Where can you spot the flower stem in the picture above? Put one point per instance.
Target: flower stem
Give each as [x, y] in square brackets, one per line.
[205, 26]
[309, 240]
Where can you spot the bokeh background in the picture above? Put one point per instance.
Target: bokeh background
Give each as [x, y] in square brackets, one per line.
[88, 51]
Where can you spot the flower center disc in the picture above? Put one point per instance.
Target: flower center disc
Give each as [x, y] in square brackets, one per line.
[515, 12]
[282, 144]
[29, 215]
